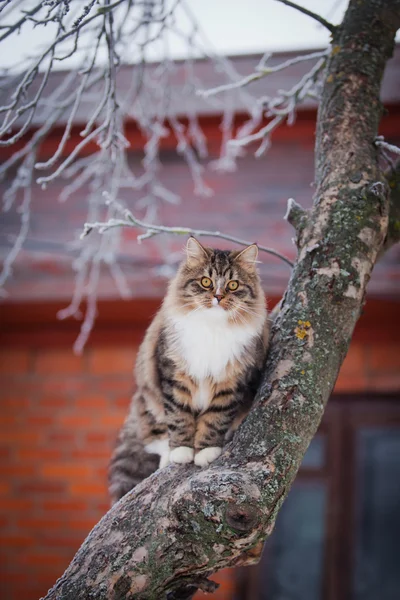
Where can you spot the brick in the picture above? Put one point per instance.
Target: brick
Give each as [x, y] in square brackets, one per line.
[21, 541]
[84, 525]
[355, 361]
[14, 361]
[112, 420]
[16, 471]
[40, 421]
[38, 454]
[122, 402]
[23, 386]
[60, 361]
[14, 401]
[4, 488]
[40, 524]
[112, 360]
[70, 541]
[384, 358]
[41, 487]
[102, 507]
[69, 504]
[20, 438]
[91, 401]
[102, 472]
[77, 421]
[97, 437]
[60, 436]
[346, 383]
[5, 453]
[59, 470]
[56, 401]
[89, 489]
[66, 385]
[8, 420]
[43, 560]
[15, 504]
[121, 385]
[92, 453]
[353, 373]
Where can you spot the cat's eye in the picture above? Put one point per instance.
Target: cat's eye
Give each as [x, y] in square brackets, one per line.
[233, 285]
[206, 282]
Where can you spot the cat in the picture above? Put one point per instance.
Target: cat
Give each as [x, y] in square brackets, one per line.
[198, 367]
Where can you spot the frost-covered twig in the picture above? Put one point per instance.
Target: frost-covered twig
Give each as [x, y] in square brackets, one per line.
[22, 182]
[280, 108]
[151, 230]
[380, 142]
[102, 35]
[261, 71]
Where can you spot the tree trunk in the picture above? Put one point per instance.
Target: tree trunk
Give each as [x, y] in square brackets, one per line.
[165, 537]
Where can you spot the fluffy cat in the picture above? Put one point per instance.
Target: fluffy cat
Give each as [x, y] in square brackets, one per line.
[198, 367]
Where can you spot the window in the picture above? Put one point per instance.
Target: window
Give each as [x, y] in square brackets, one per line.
[336, 536]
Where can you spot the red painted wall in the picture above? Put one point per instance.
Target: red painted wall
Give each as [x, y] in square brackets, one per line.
[59, 418]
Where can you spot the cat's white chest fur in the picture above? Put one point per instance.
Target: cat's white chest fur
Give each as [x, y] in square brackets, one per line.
[207, 342]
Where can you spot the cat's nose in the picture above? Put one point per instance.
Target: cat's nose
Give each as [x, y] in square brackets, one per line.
[218, 297]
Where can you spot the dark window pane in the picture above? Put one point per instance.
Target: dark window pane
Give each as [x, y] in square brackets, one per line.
[314, 458]
[377, 565]
[291, 567]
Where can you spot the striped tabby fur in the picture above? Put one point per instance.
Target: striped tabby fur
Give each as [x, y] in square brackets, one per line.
[198, 367]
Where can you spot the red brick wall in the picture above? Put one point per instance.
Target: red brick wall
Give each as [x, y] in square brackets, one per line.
[58, 421]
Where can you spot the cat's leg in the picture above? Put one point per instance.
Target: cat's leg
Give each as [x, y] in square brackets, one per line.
[180, 421]
[212, 425]
[179, 416]
[154, 433]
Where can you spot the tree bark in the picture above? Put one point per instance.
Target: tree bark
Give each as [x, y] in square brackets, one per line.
[164, 538]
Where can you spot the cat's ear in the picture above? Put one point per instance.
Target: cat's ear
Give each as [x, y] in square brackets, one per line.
[195, 253]
[248, 257]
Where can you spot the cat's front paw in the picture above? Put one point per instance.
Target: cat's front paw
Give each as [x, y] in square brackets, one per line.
[165, 459]
[207, 456]
[182, 455]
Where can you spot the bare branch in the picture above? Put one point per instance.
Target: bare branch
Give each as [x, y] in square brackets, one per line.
[380, 142]
[311, 14]
[22, 182]
[124, 31]
[280, 108]
[295, 213]
[261, 71]
[129, 220]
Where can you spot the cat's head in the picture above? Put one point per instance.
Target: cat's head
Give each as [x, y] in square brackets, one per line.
[219, 280]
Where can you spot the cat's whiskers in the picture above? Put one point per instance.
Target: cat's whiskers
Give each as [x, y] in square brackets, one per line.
[237, 317]
[247, 309]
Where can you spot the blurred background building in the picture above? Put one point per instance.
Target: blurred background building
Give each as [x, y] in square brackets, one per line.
[336, 537]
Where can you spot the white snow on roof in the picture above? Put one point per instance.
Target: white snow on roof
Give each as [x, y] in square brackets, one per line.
[230, 27]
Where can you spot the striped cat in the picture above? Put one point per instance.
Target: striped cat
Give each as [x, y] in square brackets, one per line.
[198, 367]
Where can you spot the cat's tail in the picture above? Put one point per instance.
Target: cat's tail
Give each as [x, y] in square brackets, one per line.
[130, 463]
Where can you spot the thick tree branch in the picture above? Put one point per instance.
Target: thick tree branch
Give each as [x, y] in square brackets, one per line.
[183, 523]
[309, 13]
